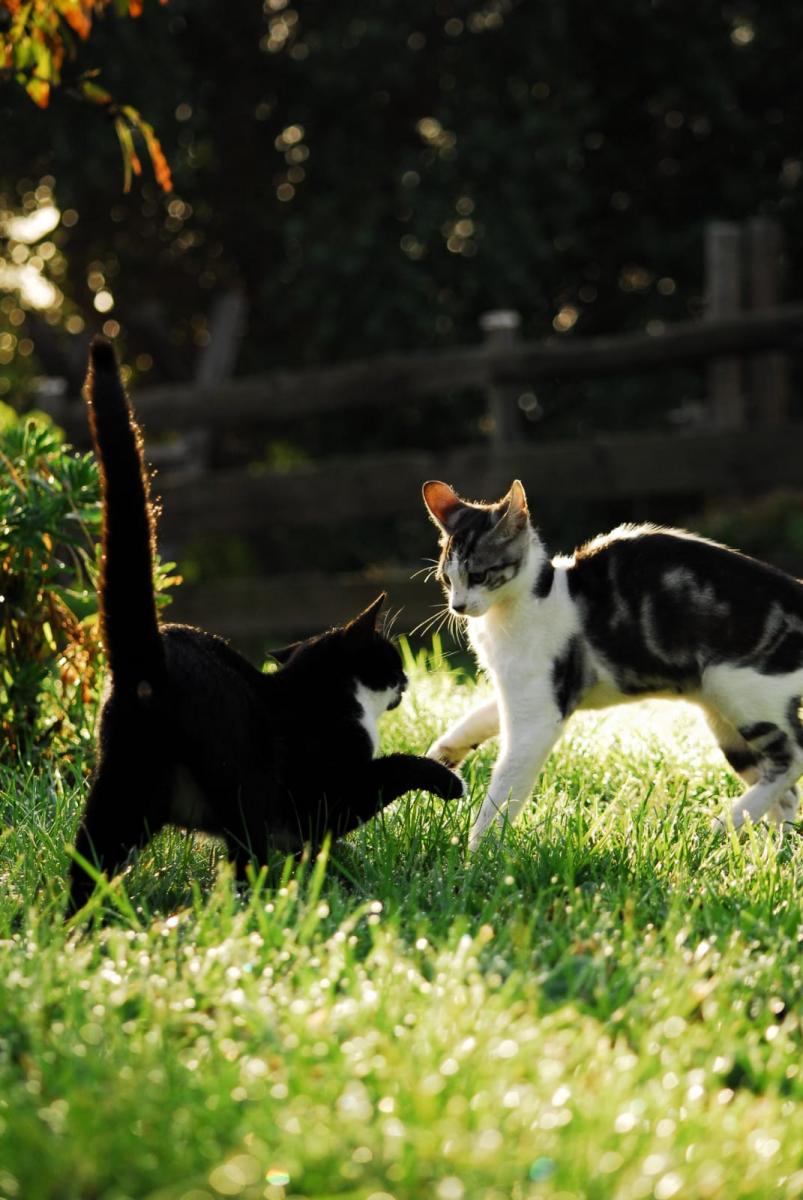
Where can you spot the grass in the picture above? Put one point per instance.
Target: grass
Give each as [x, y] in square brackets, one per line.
[605, 1002]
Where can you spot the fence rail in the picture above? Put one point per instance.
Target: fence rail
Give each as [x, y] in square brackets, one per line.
[398, 379]
[353, 490]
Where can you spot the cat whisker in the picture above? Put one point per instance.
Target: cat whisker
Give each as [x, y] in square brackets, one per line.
[428, 622]
[437, 621]
[457, 626]
[430, 626]
[428, 570]
[444, 619]
[390, 621]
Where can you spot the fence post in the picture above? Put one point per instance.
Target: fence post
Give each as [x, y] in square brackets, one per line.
[500, 328]
[768, 372]
[723, 278]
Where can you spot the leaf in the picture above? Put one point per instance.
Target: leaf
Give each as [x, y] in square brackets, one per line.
[161, 167]
[94, 92]
[123, 131]
[39, 91]
[76, 15]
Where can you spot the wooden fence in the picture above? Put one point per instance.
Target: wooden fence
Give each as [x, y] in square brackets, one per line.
[738, 449]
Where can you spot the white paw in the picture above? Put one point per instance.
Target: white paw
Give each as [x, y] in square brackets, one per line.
[474, 839]
[477, 833]
[443, 751]
[784, 811]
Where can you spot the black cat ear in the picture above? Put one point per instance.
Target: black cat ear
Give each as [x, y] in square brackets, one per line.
[515, 513]
[366, 621]
[285, 654]
[443, 503]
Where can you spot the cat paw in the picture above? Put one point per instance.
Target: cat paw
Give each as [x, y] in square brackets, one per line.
[736, 819]
[475, 836]
[453, 787]
[447, 753]
[441, 781]
[784, 812]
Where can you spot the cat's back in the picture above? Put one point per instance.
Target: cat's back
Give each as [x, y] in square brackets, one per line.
[215, 697]
[196, 656]
[632, 558]
[673, 588]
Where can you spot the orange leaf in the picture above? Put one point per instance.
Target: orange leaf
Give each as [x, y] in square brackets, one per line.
[135, 8]
[39, 91]
[161, 167]
[76, 17]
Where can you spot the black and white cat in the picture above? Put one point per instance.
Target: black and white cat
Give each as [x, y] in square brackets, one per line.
[192, 734]
[640, 611]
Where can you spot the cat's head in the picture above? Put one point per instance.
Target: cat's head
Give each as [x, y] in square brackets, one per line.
[483, 546]
[353, 653]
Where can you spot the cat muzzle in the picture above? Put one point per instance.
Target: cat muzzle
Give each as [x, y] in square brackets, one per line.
[401, 688]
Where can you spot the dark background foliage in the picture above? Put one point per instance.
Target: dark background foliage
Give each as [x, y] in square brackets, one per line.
[375, 174]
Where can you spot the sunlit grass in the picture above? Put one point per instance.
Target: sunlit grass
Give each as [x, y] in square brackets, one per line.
[604, 1002]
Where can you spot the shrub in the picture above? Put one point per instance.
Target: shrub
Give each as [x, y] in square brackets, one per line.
[49, 555]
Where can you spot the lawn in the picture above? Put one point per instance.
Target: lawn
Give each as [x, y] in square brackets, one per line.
[603, 1003]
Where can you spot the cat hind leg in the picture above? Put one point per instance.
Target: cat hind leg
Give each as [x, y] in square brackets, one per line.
[114, 823]
[785, 810]
[766, 754]
[778, 765]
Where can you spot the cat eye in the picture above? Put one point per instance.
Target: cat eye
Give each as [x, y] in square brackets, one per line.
[475, 577]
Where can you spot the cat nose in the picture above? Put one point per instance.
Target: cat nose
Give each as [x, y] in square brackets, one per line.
[458, 608]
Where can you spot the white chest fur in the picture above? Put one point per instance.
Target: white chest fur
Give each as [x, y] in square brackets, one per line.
[521, 639]
[373, 704]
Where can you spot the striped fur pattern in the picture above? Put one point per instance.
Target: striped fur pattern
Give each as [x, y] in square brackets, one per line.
[192, 734]
[640, 611]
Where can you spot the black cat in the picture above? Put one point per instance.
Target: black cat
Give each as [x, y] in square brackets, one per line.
[192, 734]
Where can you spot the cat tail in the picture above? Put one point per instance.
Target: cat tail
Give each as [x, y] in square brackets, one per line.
[129, 623]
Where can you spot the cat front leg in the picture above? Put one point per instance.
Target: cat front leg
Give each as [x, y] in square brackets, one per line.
[385, 780]
[393, 775]
[466, 735]
[528, 742]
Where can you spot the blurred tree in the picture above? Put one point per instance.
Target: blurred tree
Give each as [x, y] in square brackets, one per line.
[373, 174]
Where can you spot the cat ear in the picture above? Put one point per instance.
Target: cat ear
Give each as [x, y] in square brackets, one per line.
[515, 514]
[366, 621]
[285, 654]
[443, 503]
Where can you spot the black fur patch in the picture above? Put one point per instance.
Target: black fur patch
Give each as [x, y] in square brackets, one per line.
[569, 676]
[761, 729]
[786, 656]
[543, 584]
[740, 758]
[793, 716]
